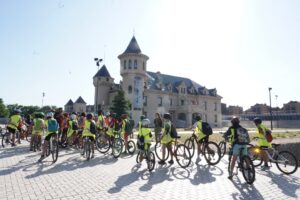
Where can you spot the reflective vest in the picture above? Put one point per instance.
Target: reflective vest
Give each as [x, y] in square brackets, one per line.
[199, 132]
[14, 121]
[146, 133]
[100, 121]
[260, 133]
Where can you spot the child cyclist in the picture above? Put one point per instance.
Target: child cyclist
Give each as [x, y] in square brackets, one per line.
[52, 130]
[38, 129]
[166, 139]
[144, 137]
[201, 137]
[126, 130]
[90, 130]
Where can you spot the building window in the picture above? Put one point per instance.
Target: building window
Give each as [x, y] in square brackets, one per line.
[216, 106]
[107, 79]
[216, 118]
[205, 105]
[159, 99]
[135, 64]
[144, 66]
[182, 102]
[129, 89]
[145, 100]
[129, 64]
[124, 64]
[171, 102]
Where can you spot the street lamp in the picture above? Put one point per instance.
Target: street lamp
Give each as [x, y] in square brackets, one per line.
[277, 109]
[98, 61]
[270, 108]
[43, 95]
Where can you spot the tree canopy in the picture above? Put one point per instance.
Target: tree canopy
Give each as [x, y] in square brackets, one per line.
[119, 104]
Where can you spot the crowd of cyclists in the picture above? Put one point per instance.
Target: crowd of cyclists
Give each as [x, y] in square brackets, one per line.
[70, 128]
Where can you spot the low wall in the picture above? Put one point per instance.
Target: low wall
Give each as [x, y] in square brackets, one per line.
[276, 124]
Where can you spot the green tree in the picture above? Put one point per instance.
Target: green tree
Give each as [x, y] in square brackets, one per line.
[3, 110]
[120, 104]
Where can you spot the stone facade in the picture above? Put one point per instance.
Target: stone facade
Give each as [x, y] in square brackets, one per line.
[151, 92]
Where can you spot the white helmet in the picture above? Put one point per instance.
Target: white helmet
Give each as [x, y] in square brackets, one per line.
[50, 114]
[107, 114]
[73, 117]
[145, 122]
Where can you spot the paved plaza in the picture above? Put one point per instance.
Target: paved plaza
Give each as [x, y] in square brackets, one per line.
[105, 177]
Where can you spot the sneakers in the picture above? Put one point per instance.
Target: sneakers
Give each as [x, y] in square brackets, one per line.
[161, 162]
[171, 162]
[41, 158]
[92, 156]
[230, 176]
[198, 160]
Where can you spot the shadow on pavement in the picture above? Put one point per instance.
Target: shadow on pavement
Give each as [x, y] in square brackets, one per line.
[205, 174]
[288, 184]
[13, 151]
[246, 191]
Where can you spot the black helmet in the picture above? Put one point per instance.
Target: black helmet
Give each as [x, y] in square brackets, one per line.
[142, 117]
[198, 117]
[167, 116]
[89, 116]
[235, 120]
[257, 120]
[17, 111]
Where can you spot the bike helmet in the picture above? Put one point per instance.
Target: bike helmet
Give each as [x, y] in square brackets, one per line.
[73, 117]
[17, 111]
[100, 112]
[257, 120]
[235, 120]
[107, 114]
[198, 118]
[123, 116]
[89, 116]
[145, 122]
[50, 115]
[167, 116]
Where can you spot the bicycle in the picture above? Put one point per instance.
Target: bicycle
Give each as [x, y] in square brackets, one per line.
[285, 161]
[53, 148]
[222, 145]
[105, 142]
[5, 137]
[180, 151]
[87, 147]
[244, 164]
[147, 154]
[131, 148]
[211, 150]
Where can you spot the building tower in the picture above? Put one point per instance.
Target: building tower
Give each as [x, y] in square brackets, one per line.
[103, 83]
[133, 67]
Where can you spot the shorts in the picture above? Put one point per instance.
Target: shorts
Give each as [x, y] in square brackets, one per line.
[11, 130]
[49, 136]
[237, 147]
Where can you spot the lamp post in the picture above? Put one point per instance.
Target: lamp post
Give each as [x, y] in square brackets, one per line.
[43, 95]
[277, 117]
[271, 108]
[98, 61]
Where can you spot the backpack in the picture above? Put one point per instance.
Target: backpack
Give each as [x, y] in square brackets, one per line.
[206, 129]
[128, 127]
[52, 125]
[268, 135]
[75, 125]
[242, 136]
[173, 132]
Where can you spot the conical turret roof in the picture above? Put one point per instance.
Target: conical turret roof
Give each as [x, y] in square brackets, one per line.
[133, 47]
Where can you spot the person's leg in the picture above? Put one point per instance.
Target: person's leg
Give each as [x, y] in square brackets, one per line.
[171, 153]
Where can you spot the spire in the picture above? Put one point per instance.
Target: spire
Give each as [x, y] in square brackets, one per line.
[102, 72]
[133, 47]
[80, 100]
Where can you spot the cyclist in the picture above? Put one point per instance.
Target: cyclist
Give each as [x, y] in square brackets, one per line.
[166, 139]
[90, 130]
[38, 129]
[144, 138]
[73, 127]
[126, 130]
[262, 141]
[202, 138]
[140, 122]
[14, 121]
[100, 121]
[236, 144]
[52, 129]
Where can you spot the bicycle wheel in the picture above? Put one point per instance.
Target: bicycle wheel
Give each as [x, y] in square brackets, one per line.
[286, 162]
[248, 169]
[158, 151]
[222, 146]
[253, 153]
[54, 151]
[102, 144]
[137, 159]
[189, 143]
[131, 147]
[117, 147]
[48, 149]
[150, 161]
[183, 156]
[212, 153]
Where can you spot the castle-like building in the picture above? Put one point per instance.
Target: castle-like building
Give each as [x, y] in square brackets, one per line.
[151, 92]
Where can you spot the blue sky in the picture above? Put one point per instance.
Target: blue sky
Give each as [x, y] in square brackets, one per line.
[239, 47]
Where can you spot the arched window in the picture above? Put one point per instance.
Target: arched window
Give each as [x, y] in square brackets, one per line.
[124, 64]
[129, 89]
[135, 64]
[144, 66]
[130, 65]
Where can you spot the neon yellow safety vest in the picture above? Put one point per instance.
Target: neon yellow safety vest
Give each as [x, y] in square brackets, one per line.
[14, 121]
